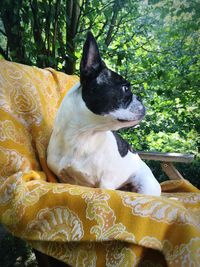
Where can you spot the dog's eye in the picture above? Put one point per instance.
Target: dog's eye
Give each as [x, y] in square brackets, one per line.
[125, 88]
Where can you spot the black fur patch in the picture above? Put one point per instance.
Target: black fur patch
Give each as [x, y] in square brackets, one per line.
[123, 146]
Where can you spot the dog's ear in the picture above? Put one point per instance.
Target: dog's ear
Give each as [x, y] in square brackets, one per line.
[91, 61]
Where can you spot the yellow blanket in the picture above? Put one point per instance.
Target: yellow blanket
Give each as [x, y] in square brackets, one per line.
[78, 225]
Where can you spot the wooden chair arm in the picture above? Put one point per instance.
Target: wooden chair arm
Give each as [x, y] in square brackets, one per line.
[166, 157]
[167, 160]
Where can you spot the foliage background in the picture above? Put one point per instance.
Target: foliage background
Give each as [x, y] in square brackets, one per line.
[153, 43]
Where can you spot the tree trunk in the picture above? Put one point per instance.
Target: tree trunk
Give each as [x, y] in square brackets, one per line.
[37, 34]
[72, 15]
[11, 21]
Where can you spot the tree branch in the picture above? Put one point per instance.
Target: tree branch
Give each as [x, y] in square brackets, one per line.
[55, 28]
[117, 28]
[3, 53]
[75, 17]
[92, 23]
[81, 8]
[47, 28]
[116, 9]
[13, 32]
[102, 29]
[72, 14]
[3, 33]
[37, 32]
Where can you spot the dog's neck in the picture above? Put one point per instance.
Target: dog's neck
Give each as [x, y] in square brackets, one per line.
[76, 129]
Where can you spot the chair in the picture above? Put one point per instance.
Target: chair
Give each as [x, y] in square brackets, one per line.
[74, 224]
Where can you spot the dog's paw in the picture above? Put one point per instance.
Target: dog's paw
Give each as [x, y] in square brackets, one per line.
[154, 190]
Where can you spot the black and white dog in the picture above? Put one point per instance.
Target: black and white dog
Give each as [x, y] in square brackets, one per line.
[83, 148]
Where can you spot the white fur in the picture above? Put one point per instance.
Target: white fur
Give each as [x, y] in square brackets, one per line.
[103, 76]
[130, 113]
[83, 151]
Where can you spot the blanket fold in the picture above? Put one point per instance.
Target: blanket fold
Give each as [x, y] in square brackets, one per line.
[78, 225]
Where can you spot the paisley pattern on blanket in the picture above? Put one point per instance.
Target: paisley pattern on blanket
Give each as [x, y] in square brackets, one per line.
[78, 225]
[11, 162]
[75, 254]
[49, 223]
[118, 255]
[106, 228]
[163, 210]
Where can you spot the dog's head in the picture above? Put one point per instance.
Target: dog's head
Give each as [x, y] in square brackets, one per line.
[105, 92]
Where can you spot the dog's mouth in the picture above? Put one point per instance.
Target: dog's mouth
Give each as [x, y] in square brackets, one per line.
[128, 116]
[133, 120]
[121, 120]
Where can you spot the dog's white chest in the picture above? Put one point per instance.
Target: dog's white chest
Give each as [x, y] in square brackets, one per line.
[95, 161]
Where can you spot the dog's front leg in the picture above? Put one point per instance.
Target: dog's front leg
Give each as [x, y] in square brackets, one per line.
[144, 182]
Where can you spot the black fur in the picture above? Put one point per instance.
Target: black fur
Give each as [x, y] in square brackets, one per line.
[91, 62]
[123, 146]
